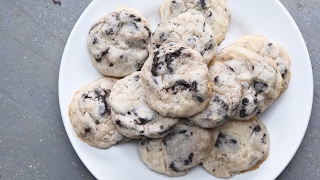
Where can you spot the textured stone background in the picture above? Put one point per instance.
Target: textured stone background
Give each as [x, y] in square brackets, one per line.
[33, 141]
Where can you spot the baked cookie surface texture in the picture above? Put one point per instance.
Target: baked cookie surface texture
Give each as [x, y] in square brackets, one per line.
[226, 96]
[118, 42]
[265, 47]
[175, 154]
[187, 30]
[259, 76]
[131, 113]
[238, 146]
[216, 12]
[176, 81]
[90, 114]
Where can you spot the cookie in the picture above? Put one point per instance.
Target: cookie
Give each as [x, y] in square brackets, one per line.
[259, 76]
[177, 81]
[265, 47]
[216, 12]
[226, 96]
[118, 42]
[187, 30]
[131, 113]
[238, 146]
[175, 154]
[90, 114]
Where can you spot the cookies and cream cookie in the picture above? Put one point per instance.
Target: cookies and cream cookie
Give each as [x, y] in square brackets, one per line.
[90, 114]
[259, 76]
[225, 98]
[131, 113]
[216, 12]
[177, 82]
[186, 30]
[118, 42]
[265, 47]
[175, 154]
[238, 146]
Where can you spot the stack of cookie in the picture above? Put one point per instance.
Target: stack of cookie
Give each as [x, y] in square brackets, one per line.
[186, 103]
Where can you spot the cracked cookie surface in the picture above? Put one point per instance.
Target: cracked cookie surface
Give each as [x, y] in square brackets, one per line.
[225, 98]
[177, 82]
[216, 12]
[238, 146]
[186, 30]
[132, 115]
[175, 154]
[118, 42]
[259, 77]
[90, 114]
[265, 47]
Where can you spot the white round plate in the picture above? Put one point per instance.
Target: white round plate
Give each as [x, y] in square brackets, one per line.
[286, 119]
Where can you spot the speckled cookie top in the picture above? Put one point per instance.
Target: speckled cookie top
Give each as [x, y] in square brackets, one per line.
[216, 13]
[118, 42]
[226, 96]
[265, 47]
[187, 30]
[259, 77]
[182, 149]
[131, 113]
[176, 81]
[238, 147]
[90, 114]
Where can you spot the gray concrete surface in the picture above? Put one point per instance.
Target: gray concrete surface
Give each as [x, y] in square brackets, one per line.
[33, 141]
